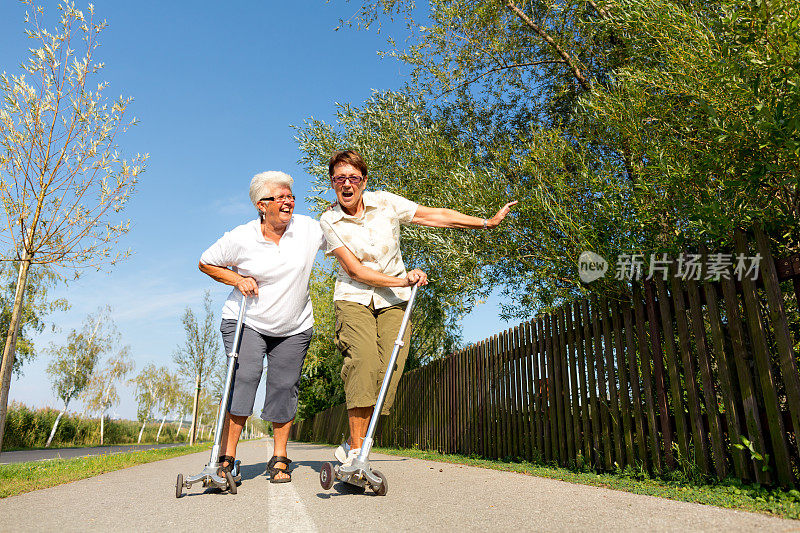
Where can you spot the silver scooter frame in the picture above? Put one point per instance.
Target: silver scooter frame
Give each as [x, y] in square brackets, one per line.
[209, 476]
[359, 472]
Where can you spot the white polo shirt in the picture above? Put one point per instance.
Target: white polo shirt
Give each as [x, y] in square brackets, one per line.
[282, 271]
[374, 238]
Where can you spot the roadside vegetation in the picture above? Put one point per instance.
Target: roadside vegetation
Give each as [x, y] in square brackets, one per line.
[682, 485]
[29, 428]
[19, 478]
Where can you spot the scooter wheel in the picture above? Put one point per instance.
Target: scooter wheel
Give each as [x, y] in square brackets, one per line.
[179, 486]
[326, 476]
[384, 486]
[231, 482]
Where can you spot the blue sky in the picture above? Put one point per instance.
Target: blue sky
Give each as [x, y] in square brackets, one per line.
[216, 91]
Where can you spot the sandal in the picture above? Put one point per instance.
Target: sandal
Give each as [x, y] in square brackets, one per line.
[228, 462]
[273, 470]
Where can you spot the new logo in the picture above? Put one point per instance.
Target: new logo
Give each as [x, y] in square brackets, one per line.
[591, 267]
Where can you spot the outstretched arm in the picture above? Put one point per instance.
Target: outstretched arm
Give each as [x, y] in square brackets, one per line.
[357, 271]
[449, 218]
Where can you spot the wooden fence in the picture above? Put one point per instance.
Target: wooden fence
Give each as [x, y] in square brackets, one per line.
[678, 373]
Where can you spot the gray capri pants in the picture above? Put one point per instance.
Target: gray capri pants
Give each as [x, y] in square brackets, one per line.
[285, 356]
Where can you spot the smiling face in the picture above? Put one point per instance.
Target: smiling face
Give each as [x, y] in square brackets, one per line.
[348, 194]
[278, 213]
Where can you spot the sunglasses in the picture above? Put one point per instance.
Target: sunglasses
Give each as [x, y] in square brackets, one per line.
[354, 180]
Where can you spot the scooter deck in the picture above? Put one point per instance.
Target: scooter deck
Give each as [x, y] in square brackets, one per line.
[361, 476]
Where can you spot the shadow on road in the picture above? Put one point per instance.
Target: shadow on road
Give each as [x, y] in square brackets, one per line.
[252, 471]
[344, 489]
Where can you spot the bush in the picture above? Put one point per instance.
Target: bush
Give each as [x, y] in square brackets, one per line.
[27, 428]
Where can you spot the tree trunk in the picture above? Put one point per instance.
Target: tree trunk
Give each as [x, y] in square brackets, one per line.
[55, 425]
[105, 405]
[159, 428]
[141, 431]
[195, 406]
[180, 425]
[546, 37]
[11, 342]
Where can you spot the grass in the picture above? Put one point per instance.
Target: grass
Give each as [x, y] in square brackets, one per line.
[18, 478]
[95, 445]
[730, 493]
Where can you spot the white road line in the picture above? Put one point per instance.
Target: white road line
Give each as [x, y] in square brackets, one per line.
[286, 510]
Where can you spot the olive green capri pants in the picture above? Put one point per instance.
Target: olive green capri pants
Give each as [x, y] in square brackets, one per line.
[366, 336]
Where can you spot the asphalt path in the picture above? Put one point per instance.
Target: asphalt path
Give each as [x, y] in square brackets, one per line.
[422, 495]
[22, 456]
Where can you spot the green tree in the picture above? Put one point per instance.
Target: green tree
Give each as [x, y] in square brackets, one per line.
[74, 362]
[490, 114]
[416, 152]
[168, 390]
[621, 126]
[146, 382]
[196, 359]
[36, 305]
[63, 182]
[709, 100]
[208, 408]
[101, 392]
[184, 406]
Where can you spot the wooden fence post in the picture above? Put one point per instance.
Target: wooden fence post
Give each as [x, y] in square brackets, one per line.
[573, 372]
[608, 345]
[597, 460]
[783, 338]
[777, 431]
[689, 373]
[624, 395]
[709, 390]
[673, 369]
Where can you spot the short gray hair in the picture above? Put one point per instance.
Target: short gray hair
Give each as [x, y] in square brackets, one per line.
[263, 183]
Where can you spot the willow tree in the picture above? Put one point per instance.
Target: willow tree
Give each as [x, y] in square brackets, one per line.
[710, 99]
[146, 393]
[36, 305]
[489, 115]
[101, 393]
[63, 182]
[73, 363]
[168, 391]
[197, 357]
[183, 406]
[622, 126]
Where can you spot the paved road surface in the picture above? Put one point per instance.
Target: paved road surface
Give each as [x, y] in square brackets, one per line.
[22, 456]
[423, 495]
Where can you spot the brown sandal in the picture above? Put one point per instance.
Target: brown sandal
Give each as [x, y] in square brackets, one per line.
[273, 470]
[226, 464]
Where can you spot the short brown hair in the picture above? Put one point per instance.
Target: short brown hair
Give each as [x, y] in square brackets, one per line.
[351, 157]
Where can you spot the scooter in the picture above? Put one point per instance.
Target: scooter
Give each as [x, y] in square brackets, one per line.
[209, 476]
[359, 473]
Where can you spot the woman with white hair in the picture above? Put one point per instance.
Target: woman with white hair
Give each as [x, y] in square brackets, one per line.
[269, 260]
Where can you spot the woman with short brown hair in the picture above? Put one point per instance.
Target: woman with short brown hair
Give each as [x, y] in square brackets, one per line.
[372, 286]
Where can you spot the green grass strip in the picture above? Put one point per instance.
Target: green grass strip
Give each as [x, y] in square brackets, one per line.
[730, 493]
[18, 478]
